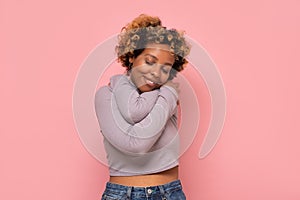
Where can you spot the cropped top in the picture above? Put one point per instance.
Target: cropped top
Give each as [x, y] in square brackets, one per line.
[139, 129]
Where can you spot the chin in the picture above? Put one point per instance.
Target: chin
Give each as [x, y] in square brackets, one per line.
[146, 88]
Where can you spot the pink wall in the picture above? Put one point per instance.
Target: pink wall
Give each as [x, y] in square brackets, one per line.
[255, 45]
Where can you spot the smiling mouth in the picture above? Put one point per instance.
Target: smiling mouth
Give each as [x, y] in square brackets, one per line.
[151, 83]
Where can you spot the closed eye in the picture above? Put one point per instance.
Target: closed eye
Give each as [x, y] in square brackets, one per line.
[166, 71]
[149, 62]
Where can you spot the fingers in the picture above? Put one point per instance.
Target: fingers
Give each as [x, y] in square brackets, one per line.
[174, 85]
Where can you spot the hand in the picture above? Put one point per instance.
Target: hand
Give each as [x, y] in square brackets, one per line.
[173, 85]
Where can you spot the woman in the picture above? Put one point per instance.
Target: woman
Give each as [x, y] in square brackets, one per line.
[137, 113]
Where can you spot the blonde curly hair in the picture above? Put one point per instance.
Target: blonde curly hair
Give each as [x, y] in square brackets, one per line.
[144, 30]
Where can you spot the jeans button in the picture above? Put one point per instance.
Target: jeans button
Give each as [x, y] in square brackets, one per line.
[149, 191]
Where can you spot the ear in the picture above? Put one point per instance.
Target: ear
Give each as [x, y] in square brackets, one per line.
[131, 59]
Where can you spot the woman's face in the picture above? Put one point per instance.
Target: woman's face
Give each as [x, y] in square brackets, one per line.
[151, 69]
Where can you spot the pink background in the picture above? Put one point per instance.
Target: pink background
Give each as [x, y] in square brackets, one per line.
[255, 45]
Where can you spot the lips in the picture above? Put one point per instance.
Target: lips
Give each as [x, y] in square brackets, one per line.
[145, 84]
[151, 83]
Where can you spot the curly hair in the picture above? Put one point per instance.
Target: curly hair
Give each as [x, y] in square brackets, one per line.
[144, 30]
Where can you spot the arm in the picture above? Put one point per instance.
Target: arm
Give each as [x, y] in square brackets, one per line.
[132, 105]
[140, 137]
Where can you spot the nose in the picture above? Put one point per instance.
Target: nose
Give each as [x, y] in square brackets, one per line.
[156, 72]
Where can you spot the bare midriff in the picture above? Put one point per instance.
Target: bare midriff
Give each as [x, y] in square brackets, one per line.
[148, 179]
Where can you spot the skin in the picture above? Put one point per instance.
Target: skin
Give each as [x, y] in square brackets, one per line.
[151, 70]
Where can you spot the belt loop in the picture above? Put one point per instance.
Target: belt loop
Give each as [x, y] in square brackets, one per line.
[162, 191]
[129, 192]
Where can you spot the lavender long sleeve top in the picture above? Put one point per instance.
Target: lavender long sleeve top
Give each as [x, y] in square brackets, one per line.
[140, 130]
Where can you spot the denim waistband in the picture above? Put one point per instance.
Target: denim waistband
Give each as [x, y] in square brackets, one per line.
[130, 191]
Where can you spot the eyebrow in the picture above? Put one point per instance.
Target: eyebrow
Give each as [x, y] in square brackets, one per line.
[154, 57]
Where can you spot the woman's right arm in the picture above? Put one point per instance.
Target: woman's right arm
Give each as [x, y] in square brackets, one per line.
[133, 105]
[138, 137]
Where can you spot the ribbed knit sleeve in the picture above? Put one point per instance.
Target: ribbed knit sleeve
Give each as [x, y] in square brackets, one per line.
[133, 106]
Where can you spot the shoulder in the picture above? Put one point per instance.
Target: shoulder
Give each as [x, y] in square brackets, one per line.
[114, 80]
[102, 92]
[107, 89]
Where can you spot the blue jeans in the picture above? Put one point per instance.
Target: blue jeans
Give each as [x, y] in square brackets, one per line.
[169, 191]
